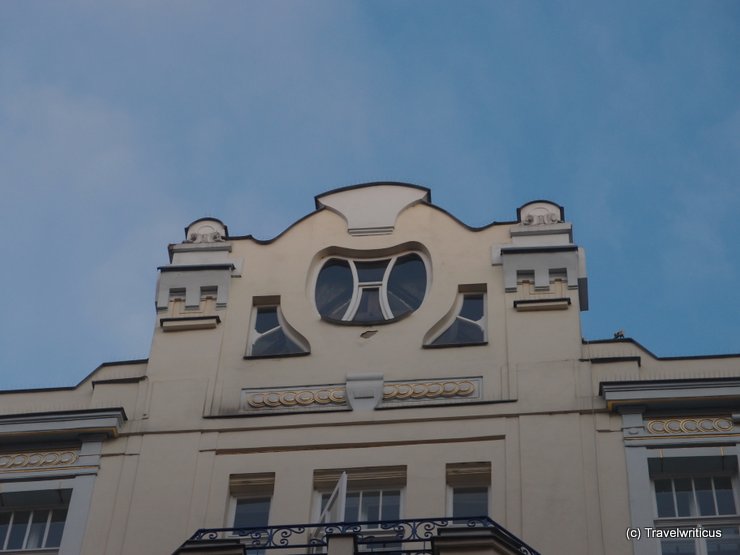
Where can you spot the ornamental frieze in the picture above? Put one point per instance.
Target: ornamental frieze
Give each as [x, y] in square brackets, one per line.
[333, 397]
[10, 462]
[290, 398]
[697, 425]
[428, 390]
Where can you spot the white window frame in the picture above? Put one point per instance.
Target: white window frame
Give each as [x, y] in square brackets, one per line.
[47, 526]
[704, 521]
[365, 480]
[283, 325]
[32, 488]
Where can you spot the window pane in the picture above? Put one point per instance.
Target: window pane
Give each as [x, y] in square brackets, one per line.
[677, 547]
[56, 528]
[664, 497]
[266, 319]
[391, 505]
[370, 509]
[369, 309]
[704, 496]
[684, 497]
[398, 306]
[352, 507]
[407, 284]
[469, 502]
[725, 496]
[334, 289]
[275, 343]
[38, 527]
[460, 332]
[371, 271]
[18, 529]
[252, 513]
[472, 307]
[4, 525]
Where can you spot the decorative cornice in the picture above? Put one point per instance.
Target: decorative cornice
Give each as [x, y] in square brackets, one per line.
[695, 393]
[63, 425]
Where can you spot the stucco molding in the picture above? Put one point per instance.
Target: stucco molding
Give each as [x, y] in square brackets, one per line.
[686, 394]
[374, 208]
[60, 426]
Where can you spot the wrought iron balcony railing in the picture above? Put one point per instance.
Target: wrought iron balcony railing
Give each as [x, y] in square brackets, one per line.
[388, 537]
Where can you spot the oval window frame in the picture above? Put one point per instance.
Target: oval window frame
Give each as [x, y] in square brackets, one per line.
[357, 287]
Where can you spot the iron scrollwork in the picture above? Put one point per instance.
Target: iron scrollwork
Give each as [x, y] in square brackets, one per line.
[414, 535]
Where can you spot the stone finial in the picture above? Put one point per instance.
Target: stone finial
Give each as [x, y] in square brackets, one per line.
[206, 230]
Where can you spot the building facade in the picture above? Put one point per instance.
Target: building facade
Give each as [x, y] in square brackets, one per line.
[378, 362]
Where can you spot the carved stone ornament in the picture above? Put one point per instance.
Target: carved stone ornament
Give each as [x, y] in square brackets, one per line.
[36, 460]
[362, 392]
[540, 213]
[295, 398]
[429, 390]
[206, 230]
[676, 426]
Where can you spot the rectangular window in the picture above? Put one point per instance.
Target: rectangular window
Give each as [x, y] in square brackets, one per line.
[371, 494]
[467, 502]
[693, 492]
[695, 496]
[33, 520]
[251, 498]
[367, 496]
[468, 486]
[369, 505]
[252, 512]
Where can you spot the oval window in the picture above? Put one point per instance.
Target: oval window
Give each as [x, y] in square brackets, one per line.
[371, 291]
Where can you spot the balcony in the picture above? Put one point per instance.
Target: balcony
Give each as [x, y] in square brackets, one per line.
[433, 536]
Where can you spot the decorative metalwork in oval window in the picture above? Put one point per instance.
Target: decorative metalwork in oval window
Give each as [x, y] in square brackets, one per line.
[365, 292]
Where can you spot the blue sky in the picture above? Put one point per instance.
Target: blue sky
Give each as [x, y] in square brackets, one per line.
[122, 122]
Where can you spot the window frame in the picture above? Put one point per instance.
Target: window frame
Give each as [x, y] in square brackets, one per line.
[283, 325]
[259, 485]
[234, 501]
[32, 509]
[362, 479]
[451, 499]
[365, 490]
[468, 475]
[714, 521]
